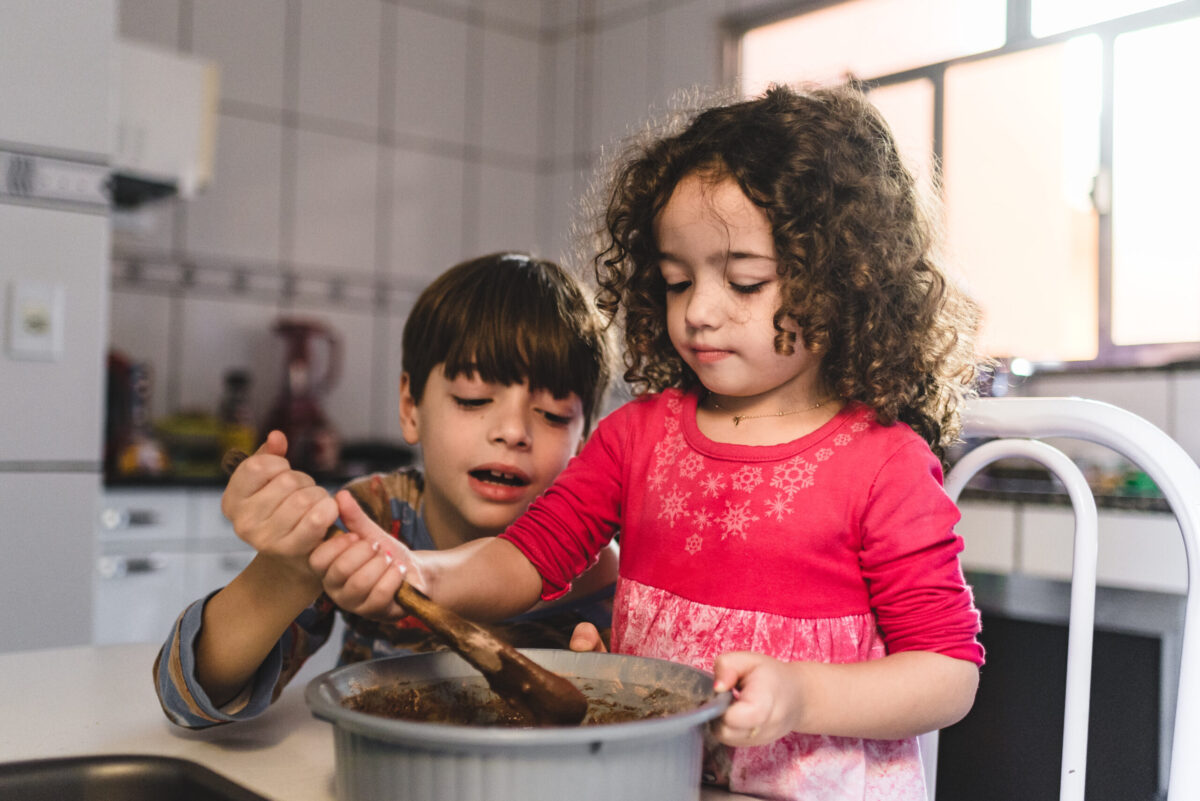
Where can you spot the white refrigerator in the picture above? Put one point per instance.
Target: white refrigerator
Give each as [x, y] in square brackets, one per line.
[55, 131]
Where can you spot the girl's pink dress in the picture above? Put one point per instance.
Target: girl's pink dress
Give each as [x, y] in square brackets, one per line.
[836, 547]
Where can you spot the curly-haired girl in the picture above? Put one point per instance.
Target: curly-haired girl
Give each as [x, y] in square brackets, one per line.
[800, 360]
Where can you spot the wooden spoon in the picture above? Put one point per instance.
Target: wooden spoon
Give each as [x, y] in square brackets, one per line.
[539, 696]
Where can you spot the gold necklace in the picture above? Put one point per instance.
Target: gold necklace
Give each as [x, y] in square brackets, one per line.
[738, 418]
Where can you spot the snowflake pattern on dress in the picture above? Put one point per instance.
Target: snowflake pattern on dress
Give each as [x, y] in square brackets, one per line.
[793, 475]
[673, 505]
[691, 464]
[736, 520]
[747, 478]
[779, 507]
[713, 483]
[699, 496]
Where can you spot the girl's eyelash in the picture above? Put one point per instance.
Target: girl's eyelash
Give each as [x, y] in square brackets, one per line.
[678, 286]
[748, 289]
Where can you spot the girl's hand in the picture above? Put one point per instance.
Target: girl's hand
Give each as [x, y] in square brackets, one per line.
[586, 637]
[361, 570]
[766, 698]
[278, 511]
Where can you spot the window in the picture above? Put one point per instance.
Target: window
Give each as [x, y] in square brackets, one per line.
[1062, 137]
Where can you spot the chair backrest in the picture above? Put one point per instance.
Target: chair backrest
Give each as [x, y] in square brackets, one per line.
[1016, 427]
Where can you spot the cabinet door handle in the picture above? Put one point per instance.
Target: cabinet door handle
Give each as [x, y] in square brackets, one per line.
[112, 518]
[115, 567]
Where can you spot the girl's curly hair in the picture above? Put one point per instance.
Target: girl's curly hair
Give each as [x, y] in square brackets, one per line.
[856, 251]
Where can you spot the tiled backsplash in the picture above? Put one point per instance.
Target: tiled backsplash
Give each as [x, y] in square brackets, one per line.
[381, 141]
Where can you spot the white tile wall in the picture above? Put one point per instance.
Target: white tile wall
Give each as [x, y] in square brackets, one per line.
[339, 60]
[690, 49]
[427, 202]
[568, 96]
[155, 21]
[224, 334]
[141, 329]
[525, 13]
[511, 89]
[431, 76]
[510, 196]
[621, 93]
[246, 40]
[238, 216]
[335, 203]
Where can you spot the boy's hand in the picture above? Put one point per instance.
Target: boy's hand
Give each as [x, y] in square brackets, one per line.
[586, 637]
[362, 569]
[765, 694]
[278, 511]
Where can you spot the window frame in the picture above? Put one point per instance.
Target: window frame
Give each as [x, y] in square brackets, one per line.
[1019, 37]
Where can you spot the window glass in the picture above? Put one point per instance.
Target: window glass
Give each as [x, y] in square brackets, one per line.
[1156, 169]
[1048, 17]
[1020, 151]
[908, 108]
[867, 39]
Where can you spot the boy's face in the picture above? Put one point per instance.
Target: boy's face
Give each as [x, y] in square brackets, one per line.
[488, 450]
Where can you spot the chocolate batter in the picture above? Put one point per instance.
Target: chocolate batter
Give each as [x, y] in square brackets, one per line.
[470, 702]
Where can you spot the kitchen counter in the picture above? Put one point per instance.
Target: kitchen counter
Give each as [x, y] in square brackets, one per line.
[100, 700]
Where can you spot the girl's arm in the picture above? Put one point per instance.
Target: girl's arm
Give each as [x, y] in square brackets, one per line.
[901, 695]
[283, 514]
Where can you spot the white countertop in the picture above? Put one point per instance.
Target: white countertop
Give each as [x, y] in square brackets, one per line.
[100, 700]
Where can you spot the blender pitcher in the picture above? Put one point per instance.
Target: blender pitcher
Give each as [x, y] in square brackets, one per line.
[313, 442]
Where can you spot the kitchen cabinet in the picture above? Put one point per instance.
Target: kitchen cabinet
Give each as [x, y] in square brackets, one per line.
[57, 57]
[1137, 550]
[159, 549]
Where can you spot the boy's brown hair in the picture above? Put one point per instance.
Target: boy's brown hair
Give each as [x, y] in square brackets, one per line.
[511, 318]
[856, 248]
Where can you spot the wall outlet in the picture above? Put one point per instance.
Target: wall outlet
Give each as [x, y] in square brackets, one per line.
[35, 320]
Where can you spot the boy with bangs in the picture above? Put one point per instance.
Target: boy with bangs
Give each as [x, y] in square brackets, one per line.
[504, 368]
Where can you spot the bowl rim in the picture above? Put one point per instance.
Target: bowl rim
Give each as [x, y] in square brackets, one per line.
[319, 690]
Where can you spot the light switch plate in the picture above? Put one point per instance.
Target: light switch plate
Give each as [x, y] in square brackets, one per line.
[35, 320]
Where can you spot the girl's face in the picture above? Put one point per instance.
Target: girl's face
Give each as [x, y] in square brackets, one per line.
[488, 449]
[717, 256]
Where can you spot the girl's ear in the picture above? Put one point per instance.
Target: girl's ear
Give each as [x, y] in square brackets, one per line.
[408, 411]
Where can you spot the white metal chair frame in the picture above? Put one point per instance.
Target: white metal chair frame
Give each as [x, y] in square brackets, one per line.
[1018, 425]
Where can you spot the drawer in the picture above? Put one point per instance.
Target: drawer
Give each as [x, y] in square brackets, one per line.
[989, 536]
[143, 515]
[137, 596]
[1137, 551]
